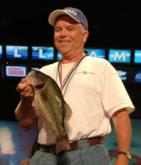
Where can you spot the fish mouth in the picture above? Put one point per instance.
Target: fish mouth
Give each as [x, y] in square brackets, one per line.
[39, 86]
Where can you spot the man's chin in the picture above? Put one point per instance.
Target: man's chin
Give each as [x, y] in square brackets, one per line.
[64, 51]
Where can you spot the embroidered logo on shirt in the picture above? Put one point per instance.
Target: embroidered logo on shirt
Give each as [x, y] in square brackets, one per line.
[86, 72]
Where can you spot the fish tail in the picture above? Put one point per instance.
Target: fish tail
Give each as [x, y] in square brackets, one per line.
[62, 144]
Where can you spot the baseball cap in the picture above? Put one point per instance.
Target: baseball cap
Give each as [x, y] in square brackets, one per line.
[74, 13]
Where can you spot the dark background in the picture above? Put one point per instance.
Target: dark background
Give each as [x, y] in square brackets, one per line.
[113, 24]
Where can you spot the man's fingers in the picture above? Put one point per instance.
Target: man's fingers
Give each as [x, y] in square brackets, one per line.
[22, 85]
[27, 91]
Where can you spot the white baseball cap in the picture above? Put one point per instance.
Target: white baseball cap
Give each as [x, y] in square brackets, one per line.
[74, 13]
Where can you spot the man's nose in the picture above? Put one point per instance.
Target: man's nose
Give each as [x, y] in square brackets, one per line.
[63, 32]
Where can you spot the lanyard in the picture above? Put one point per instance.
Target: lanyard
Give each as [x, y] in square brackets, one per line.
[69, 75]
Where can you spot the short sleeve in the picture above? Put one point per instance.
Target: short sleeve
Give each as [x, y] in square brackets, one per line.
[114, 93]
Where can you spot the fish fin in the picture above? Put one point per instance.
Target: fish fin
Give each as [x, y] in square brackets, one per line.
[67, 112]
[62, 144]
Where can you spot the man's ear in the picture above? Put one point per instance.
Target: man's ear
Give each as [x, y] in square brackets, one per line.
[85, 36]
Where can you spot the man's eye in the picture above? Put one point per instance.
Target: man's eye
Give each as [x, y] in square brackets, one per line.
[57, 29]
[71, 28]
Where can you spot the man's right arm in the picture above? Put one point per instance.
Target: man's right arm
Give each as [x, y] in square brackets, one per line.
[25, 112]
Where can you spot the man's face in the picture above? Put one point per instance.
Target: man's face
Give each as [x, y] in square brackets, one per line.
[69, 35]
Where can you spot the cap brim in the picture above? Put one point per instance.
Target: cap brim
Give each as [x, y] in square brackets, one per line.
[56, 13]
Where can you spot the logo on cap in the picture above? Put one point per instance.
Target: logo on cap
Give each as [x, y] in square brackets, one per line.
[71, 11]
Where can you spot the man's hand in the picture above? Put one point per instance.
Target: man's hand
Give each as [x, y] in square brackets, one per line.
[121, 160]
[25, 89]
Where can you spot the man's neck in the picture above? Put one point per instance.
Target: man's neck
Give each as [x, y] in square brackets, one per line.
[71, 59]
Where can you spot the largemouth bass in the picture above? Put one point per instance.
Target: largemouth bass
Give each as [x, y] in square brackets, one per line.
[53, 106]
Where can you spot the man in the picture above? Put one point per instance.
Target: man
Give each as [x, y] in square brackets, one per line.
[93, 90]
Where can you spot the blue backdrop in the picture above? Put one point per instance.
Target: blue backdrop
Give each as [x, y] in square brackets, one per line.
[16, 143]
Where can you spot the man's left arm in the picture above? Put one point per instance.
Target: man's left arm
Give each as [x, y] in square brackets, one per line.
[123, 131]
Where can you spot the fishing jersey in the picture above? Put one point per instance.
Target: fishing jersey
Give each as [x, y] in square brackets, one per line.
[94, 91]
